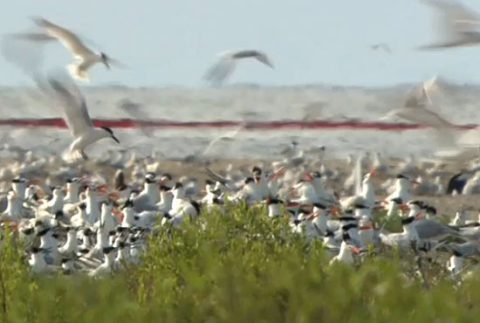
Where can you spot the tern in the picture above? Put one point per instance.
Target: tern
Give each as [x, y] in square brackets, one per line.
[76, 116]
[221, 70]
[459, 25]
[84, 57]
[416, 109]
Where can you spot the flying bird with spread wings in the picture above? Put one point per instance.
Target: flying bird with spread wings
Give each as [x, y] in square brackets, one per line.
[417, 108]
[227, 62]
[67, 95]
[85, 58]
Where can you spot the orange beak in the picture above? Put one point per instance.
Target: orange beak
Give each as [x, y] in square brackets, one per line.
[355, 250]
[103, 189]
[335, 211]
[118, 215]
[13, 226]
[404, 208]
[292, 191]
[307, 177]
[35, 181]
[293, 205]
[279, 173]
[365, 227]
[114, 196]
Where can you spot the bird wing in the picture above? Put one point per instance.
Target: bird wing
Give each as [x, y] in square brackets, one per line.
[68, 39]
[419, 96]
[426, 117]
[224, 181]
[221, 70]
[73, 103]
[227, 136]
[260, 56]
[454, 21]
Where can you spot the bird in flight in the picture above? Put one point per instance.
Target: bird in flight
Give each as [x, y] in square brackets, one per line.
[85, 58]
[75, 113]
[224, 67]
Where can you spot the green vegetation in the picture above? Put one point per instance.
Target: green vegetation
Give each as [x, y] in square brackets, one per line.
[239, 267]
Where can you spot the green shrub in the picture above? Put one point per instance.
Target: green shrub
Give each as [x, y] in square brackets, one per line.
[237, 267]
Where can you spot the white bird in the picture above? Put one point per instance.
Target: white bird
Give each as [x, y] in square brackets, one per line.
[345, 255]
[416, 110]
[219, 72]
[401, 240]
[226, 137]
[457, 24]
[84, 57]
[106, 268]
[76, 116]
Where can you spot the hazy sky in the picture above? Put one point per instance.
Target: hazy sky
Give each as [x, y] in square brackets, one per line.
[309, 41]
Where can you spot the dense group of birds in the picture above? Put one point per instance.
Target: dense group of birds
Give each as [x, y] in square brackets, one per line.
[96, 216]
[82, 215]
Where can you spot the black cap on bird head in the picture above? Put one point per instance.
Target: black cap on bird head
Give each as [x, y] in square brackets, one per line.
[272, 200]
[417, 203]
[19, 180]
[112, 135]
[457, 253]
[150, 180]
[128, 203]
[257, 170]
[397, 200]
[408, 220]
[316, 174]
[164, 188]
[249, 180]
[177, 185]
[349, 226]
[105, 60]
[73, 180]
[319, 206]
[107, 250]
[346, 237]
[36, 250]
[59, 214]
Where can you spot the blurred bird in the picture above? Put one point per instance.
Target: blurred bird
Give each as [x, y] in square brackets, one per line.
[75, 115]
[84, 57]
[457, 24]
[219, 72]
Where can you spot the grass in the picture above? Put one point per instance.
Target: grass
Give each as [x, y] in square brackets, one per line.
[239, 267]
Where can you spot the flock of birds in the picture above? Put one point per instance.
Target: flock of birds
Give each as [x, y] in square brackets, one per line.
[73, 218]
